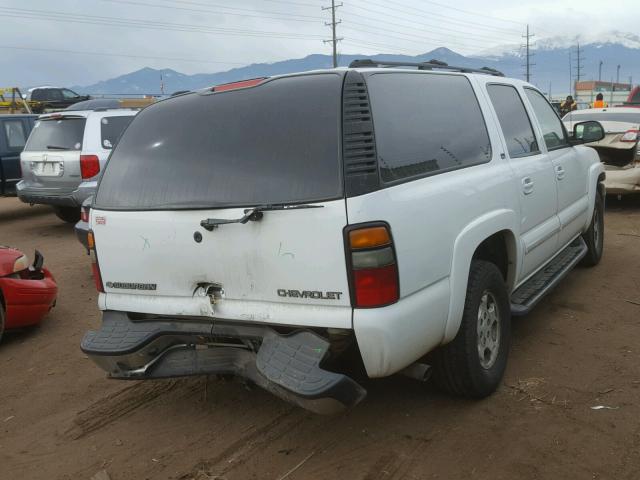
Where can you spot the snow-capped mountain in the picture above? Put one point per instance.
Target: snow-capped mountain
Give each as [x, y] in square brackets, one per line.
[590, 38]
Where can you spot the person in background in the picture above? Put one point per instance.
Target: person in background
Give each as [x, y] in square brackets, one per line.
[569, 105]
[599, 103]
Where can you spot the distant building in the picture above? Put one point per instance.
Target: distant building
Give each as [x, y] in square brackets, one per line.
[613, 93]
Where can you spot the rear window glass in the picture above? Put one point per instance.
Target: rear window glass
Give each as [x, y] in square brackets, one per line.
[275, 143]
[111, 128]
[419, 131]
[14, 133]
[57, 134]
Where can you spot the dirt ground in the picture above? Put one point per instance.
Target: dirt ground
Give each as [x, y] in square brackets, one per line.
[60, 418]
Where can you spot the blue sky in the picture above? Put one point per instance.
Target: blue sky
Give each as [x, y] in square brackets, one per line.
[68, 42]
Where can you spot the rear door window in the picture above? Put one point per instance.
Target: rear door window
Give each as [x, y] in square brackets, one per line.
[426, 124]
[276, 143]
[56, 134]
[111, 128]
[515, 123]
[552, 130]
[14, 133]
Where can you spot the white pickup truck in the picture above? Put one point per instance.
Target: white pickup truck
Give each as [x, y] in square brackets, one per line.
[275, 228]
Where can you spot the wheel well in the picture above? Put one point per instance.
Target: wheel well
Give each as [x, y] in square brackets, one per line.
[499, 249]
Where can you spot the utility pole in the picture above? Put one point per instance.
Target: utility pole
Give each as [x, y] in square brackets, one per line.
[600, 70]
[570, 72]
[334, 40]
[579, 67]
[528, 54]
[618, 74]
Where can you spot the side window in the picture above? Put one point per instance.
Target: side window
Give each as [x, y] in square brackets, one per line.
[514, 121]
[417, 130]
[69, 94]
[111, 128]
[552, 130]
[15, 134]
[55, 95]
[38, 94]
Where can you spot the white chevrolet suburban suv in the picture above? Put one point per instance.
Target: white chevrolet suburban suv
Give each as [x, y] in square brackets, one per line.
[278, 228]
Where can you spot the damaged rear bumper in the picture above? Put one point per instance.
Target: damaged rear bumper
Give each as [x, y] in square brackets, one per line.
[285, 365]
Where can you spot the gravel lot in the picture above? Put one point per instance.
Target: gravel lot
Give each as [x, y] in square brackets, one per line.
[60, 418]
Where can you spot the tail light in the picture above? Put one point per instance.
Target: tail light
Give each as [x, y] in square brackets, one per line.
[373, 265]
[89, 166]
[630, 136]
[95, 267]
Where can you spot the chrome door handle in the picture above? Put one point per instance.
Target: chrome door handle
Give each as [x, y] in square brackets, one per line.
[559, 172]
[527, 185]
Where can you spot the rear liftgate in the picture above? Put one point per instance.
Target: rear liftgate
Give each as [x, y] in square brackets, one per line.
[285, 365]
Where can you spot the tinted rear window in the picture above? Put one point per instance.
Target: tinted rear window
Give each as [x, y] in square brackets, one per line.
[57, 134]
[111, 128]
[426, 124]
[275, 143]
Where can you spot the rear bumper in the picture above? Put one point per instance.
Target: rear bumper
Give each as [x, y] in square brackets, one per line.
[50, 196]
[285, 365]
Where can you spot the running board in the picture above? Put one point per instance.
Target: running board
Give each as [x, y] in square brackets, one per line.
[533, 290]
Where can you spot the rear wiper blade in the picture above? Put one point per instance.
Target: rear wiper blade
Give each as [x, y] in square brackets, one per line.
[57, 147]
[251, 215]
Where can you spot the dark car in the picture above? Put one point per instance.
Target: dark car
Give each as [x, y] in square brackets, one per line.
[14, 131]
[54, 98]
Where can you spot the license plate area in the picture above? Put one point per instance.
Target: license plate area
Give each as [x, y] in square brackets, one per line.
[47, 169]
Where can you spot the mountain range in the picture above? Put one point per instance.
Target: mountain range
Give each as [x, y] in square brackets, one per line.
[550, 71]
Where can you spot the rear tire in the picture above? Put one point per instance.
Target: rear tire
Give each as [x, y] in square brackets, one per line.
[473, 364]
[68, 214]
[594, 236]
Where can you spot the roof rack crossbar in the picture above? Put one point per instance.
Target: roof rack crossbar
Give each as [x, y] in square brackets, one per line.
[430, 65]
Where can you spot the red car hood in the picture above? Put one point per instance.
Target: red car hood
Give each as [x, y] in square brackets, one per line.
[8, 257]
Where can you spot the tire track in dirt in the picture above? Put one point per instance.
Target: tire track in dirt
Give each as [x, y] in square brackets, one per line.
[112, 407]
[239, 451]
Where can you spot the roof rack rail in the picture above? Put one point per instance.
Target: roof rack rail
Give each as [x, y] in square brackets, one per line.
[430, 65]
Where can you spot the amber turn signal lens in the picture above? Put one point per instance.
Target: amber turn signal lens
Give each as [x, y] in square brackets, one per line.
[369, 237]
[90, 241]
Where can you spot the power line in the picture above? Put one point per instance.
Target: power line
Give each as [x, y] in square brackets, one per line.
[289, 17]
[333, 23]
[413, 38]
[152, 25]
[250, 10]
[476, 39]
[108, 54]
[430, 16]
[476, 14]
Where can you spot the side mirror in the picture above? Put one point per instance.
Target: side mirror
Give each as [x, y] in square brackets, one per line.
[587, 132]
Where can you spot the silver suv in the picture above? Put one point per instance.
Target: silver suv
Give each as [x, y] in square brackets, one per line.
[66, 150]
